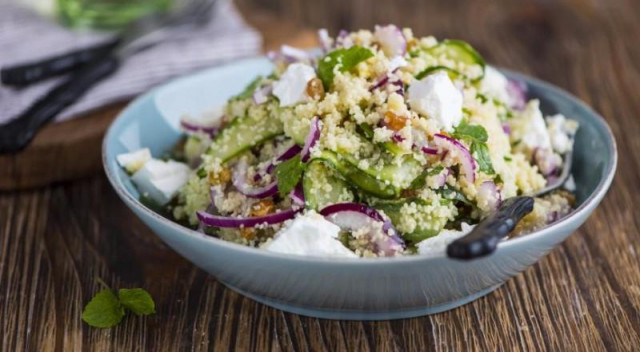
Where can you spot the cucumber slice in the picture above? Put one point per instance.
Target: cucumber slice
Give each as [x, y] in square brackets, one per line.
[323, 187]
[460, 51]
[359, 178]
[243, 133]
[453, 74]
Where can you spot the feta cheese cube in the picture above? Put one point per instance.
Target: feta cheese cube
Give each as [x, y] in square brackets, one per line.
[133, 161]
[560, 130]
[161, 180]
[310, 235]
[292, 86]
[437, 98]
[209, 118]
[533, 127]
[494, 85]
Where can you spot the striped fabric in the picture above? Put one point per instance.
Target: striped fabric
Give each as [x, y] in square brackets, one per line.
[24, 37]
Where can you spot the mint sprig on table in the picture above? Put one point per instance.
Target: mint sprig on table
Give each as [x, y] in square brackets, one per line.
[106, 309]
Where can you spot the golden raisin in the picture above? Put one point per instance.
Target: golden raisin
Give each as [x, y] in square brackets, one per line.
[262, 208]
[315, 89]
[220, 178]
[394, 122]
[248, 233]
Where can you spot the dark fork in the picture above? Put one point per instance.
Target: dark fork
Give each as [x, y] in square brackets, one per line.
[17, 134]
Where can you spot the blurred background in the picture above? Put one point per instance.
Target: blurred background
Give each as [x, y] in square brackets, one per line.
[560, 41]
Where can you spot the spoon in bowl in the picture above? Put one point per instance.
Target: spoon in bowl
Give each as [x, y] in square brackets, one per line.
[484, 238]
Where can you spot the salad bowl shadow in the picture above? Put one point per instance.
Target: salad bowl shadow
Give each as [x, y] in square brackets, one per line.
[355, 289]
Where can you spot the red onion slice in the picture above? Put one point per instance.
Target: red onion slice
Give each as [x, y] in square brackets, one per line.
[455, 149]
[489, 191]
[391, 40]
[397, 137]
[289, 153]
[421, 142]
[381, 83]
[236, 222]
[430, 151]
[506, 129]
[292, 54]
[354, 216]
[398, 83]
[241, 184]
[297, 196]
[311, 140]
[192, 127]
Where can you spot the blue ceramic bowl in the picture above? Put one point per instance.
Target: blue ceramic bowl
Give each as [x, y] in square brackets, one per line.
[383, 288]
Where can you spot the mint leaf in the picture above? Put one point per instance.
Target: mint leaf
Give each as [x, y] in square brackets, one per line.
[346, 58]
[104, 310]
[288, 174]
[137, 300]
[474, 132]
[248, 91]
[480, 152]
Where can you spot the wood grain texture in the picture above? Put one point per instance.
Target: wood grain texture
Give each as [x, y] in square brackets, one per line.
[584, 296]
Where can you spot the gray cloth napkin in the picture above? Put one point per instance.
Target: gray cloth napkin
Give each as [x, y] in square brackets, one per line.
[25, 36]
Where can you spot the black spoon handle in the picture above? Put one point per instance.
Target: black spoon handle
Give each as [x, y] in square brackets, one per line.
[15, 135]
[24, 75]
[484, 238]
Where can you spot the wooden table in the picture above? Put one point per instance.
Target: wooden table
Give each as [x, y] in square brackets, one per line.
[584, 296]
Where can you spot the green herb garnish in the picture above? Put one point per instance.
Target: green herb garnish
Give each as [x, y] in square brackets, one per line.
[480, 152]
[478, 137]
[346, 58]
[106, 310]
[137, 300]
[288, 174]
[476, 133]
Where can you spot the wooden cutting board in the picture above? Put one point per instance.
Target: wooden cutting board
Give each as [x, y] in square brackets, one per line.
[72, 149]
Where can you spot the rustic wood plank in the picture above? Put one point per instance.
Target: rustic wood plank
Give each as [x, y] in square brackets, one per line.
[584, 296]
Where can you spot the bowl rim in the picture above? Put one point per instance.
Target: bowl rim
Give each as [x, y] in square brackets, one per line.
[586, 207]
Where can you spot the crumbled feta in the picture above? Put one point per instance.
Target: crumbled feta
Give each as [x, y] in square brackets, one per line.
[310, 235]
[210, 118]
[397, 62]
[439, 243]
[560, 130]
[535, 133]
[161, 180]
[133, 161]
[436, 97]
[494, 84]
[292, 86]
